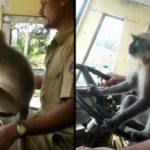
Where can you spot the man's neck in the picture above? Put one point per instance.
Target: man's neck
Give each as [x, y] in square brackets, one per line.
[67, 20]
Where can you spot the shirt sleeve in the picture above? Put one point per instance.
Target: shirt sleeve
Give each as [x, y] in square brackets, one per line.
[67, 90]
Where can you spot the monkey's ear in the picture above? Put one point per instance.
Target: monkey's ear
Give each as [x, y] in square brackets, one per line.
[133, 36]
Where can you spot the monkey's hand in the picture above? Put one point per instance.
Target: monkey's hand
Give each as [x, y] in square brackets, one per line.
[109, 125]
[93, 90]
[139, 136]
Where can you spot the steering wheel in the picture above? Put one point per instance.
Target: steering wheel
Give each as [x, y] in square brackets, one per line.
[101, 113]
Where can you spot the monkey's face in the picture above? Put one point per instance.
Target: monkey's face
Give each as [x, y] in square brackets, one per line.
[140, 47]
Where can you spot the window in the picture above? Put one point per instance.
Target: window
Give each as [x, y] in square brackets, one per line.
[105, 46]
[80, 5]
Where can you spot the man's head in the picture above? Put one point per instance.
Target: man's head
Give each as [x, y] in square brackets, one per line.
[56, 12]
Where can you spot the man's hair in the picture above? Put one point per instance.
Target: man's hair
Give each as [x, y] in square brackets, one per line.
[72, 1]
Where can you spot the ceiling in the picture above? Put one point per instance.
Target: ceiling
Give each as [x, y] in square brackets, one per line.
[22, 19]
[145, 2]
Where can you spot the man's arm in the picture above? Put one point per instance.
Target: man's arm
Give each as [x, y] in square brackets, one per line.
[115, 79]
[63, 116]
[53, 121]
[38, 81]
[59, 119]
[56, 120]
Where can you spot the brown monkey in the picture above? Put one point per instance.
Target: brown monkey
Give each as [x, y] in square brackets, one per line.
[16, 83]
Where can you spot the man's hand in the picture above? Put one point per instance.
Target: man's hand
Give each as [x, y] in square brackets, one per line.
[115, 79]
[38, 81]
[8, 135]
[56, 120]
[53, 121]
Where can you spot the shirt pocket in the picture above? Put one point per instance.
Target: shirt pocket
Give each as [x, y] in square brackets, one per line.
[54, 69]
[53, 88]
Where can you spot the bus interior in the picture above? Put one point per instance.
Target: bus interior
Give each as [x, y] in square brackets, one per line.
[103, 35]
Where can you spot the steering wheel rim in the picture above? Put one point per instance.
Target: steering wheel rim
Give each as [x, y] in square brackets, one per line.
[98, 116]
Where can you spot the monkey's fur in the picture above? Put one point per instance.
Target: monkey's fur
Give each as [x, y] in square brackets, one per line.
[16, 82]
[139, 79]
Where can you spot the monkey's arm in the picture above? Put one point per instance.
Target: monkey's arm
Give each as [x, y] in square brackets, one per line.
[8, 106]
[119, 88]
[113, 90]
[132, 111]
[135, 109]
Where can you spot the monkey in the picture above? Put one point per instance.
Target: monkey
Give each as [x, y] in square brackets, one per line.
[138, 79]
[16, 82]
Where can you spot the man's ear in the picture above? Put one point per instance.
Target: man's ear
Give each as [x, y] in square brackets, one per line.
[63, 2]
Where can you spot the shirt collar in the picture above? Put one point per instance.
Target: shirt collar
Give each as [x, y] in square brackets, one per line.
[61, 36]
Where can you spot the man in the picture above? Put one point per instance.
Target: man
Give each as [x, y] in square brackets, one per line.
[56, 115]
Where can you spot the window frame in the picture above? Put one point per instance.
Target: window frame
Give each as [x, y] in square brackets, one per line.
[148, 29]
[81, 11]
[94, 38]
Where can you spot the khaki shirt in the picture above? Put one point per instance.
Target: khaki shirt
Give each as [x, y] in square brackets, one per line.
[58, 80]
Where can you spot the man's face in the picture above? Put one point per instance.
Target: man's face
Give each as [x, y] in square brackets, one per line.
[51, 10]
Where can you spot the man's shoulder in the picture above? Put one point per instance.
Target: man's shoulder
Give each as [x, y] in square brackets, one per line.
[68, 45]
[70, 39]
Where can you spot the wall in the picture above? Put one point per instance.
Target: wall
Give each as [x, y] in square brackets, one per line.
[86, 33]
[124, 62]
[6, 27]
[136, 19]
[1, 10]
[22, 7]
